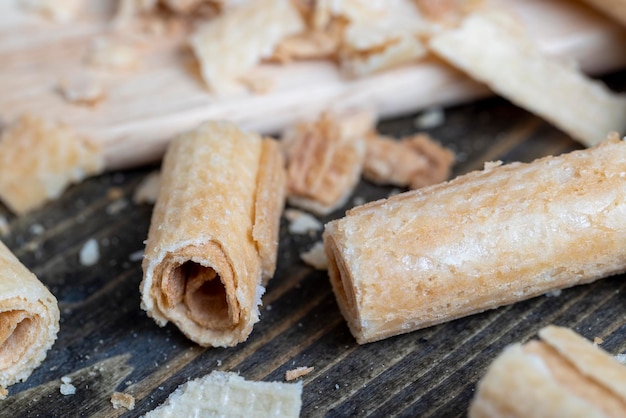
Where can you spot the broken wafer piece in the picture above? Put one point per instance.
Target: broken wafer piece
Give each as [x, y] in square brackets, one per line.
[238, 39]
[560, 375]
[325, 159]
[224, 394]
[482, 240]
[38, 160]
[392, 39]
[29, 320]
[214, 233]
[415, 161]
[615, 9]
[491, 48]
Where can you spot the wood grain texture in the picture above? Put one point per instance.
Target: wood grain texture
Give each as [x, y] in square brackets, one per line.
[106, 343]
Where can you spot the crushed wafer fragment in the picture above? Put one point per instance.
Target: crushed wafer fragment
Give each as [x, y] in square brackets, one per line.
[148, 189]
[81, 90]
[123, 400]
[38, 160]
[415, 161]
[89, 253]
[238, 39]
[301, 222]
[308, 45]
[430, 118]
[389, 40]
[555, 90]
[324, 160]
[67, 388]
[297, 372]
[316, 256]
[228, 394]
[3, 393]
[597, 341]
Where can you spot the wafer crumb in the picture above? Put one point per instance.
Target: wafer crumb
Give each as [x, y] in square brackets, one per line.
[301, 222]
[597, 341]
[148, 189]
[430, 118]
[81, 90]
[89, 253]
[3, 393]
[297, 372]
[123, 400]
[67, 388]
[315, 257]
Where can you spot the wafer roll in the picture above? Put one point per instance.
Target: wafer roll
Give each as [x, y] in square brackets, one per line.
[214, 233]
[29, 320]
[563, 375]
[482, 240]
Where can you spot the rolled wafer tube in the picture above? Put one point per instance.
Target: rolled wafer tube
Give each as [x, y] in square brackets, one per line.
[29, 320]
[483, 240]
[561, 375]
[214, 233]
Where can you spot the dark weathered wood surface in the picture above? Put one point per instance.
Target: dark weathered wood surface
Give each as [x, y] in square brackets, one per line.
[107, 343]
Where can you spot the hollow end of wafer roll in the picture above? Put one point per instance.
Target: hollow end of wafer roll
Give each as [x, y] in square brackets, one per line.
[187, 286]
[27, 331]
[341, 282]
[17, 333]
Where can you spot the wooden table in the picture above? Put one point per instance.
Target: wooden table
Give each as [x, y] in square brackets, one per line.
[108, 344]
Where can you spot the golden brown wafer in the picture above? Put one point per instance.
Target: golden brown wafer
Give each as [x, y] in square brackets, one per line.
[482, 240]
[29, 320]
[214, 231]
[563, 375]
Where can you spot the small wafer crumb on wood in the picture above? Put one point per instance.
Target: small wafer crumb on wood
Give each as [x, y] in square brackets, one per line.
[301, 222]
[38, 160]
[414, 161]
[297, 372]
[325, 159]
[123, 400]
[228, 394]
[3, 393]
[560, 375]
[148, 189]
[316, 257]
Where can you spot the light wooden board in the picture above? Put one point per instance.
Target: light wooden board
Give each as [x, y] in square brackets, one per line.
[145, 108]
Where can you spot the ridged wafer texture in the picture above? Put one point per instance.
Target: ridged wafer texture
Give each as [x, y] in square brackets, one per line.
[29, 320]
[223, 394]
[494, 49]
[482, 240]
[562, 375]
[214, 232]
